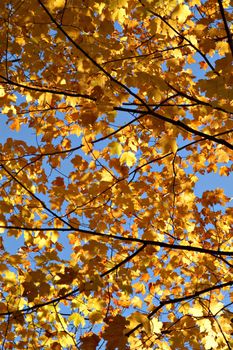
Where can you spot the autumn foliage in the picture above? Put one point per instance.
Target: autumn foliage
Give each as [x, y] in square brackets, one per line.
[114, 116]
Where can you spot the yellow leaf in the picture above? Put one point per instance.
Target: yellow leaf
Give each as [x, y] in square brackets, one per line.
[168, 144]
[210, 342]
[120, 15]
[2, 229]
[53, 4]
[181, 13]
[65, 339]
[156, 325]
[54, 236]
[20, 41]
[138, 317]
[77, 319]
[9, 277]
[128, 158]
[72, 101]
[2, 91]
[139, 287]
[223, 156]
[76, 130]
[196, 310]
[205, 325]
[29, 97]
[136, 302]
[193, 39]
[63, 81]
[115, 148]
[106, 176]
[215, 307]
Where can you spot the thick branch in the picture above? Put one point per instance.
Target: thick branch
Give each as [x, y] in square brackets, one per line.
[229, 35]
[189, 248]
[181, 125]
[178, 300]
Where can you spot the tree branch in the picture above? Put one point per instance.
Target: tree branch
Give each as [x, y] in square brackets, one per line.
[79, 48]
[229, 35]
[196, 100]
[181, 36]
[42, 90]
[180, 124]
[178, 300]
[74, 291]
[71, 228]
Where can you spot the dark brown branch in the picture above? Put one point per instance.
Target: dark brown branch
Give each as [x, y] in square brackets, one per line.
[178, 300]
[70, 150]
[227, 29]
[125, 239]
[79, 48]
[37, 306]
[77, 290]
[34, 196]
[222, 332]
[218, 38]
[71, 228]
[73, 292]
[11, 61]
[127, 259]
[196, 100]
[181, 36]
[133, 172]
[164, 105]
[145, 55]
[181, 125]
[42, 90]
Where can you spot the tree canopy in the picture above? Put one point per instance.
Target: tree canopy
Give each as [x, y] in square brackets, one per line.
[114, 116]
